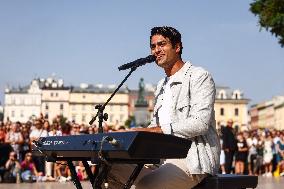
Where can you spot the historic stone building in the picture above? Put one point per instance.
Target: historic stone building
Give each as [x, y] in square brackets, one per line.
[77, 103]
[268, 114]
[55, 99]
[231, 104]
[84, 98]
[22, 103]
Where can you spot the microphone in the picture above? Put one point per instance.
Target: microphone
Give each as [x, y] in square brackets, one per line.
[137, 63]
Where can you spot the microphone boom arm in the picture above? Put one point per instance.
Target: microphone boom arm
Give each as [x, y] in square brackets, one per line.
[101, 108]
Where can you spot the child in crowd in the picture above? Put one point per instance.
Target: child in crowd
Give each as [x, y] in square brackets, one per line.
[29, 172]
[241, 155]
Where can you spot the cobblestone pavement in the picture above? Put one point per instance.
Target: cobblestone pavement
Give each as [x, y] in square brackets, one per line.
[264, 183]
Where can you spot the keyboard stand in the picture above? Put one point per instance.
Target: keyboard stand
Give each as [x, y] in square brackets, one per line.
[74, 176]
[102, 170]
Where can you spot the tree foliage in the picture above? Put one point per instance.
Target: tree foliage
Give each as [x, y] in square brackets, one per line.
[271, 16]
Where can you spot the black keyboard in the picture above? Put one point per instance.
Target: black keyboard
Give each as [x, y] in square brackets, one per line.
[113, 146]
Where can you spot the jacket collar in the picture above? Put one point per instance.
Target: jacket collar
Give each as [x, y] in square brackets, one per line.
[178, 77]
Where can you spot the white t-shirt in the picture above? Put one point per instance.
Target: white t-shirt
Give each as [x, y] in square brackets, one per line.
[165, 110]
[36, 133]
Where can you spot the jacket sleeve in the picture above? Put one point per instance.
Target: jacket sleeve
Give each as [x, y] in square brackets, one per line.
[201, 106]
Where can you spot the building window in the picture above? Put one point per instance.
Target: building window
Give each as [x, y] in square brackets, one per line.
[111, 118]
[22, 113]
[74, 117]
[61, 107]
[51, 94]
[222, 112]
[46, 106]
[13, 113]
[121, 117]
[84, 118]
[222, 94]
[56, 94]
[84, 96]
[13, 101]
[236, 111]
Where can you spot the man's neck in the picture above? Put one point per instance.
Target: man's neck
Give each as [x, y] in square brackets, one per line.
[174, 68]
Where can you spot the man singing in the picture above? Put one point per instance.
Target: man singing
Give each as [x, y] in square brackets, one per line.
[184, 107]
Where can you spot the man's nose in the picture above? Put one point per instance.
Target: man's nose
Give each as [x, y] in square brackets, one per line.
[157, 49]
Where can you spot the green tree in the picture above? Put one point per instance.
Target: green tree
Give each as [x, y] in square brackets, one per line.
[128, 121]
[271, 16]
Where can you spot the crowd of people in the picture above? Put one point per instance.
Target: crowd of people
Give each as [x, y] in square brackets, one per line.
[18, 164]
[253, 152]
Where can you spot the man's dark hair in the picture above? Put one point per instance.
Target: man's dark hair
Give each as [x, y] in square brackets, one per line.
[169, 32]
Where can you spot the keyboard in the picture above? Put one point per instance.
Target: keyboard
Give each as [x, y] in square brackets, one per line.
[134, 145]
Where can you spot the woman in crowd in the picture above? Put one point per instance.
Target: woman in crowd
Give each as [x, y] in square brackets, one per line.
[25, 148]
[62, 172]
[241, 155]
[29, 171]
[259, 156]
[280, 154]
[268, 154]
[15, 138]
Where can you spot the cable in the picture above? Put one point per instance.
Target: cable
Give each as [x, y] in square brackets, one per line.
[100, 153]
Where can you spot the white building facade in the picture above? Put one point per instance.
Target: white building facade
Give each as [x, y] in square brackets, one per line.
[22, 104]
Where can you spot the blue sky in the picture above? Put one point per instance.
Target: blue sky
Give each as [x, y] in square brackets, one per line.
[85, 41]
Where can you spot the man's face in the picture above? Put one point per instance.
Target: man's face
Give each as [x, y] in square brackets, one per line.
[38, 124]
[166, 55]
[230, 123]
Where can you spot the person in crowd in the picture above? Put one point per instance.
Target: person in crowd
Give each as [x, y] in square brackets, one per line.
[91, 130]
[2, 133]
[241, 154]
[15, 138]
[55, 130]
[229, 145]
[29, 170]
[280, 154]
[222, 155]
[252, 153]
[75, 129]
[62, 172]
[12, 169]
[48, 165]
[268, 154]
[81, 171]
[25, 148]
[35, 134]
[66, 129]
[259, 157]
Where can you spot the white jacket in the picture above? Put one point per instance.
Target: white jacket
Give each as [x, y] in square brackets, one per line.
[192, 116]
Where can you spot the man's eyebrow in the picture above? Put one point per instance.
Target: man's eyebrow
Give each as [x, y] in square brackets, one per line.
[159, 42]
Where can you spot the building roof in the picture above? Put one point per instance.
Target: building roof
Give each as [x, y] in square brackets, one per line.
[89, 88]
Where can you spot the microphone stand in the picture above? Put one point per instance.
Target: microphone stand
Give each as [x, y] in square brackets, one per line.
[103, 167]
[104, 116]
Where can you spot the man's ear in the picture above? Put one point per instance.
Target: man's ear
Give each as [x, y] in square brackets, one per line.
[177, 47]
